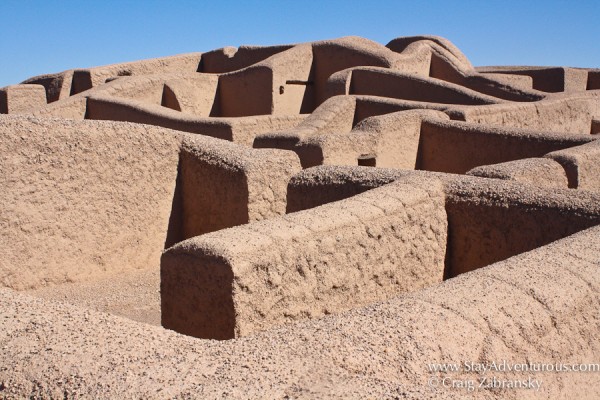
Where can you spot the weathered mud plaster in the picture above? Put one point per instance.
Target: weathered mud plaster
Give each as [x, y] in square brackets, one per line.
[18, 99]
[340, 298]
[83, 200]
[517, 310]
[488, 220]
[582, 165]
[532, 171]
[307, 264]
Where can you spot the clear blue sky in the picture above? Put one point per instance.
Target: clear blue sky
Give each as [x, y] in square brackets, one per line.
[49, 36]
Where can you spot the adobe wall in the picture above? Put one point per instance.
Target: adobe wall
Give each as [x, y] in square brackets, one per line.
[547, 79]
[568, 113]
[517, 81]
[193, 94]
[238, 130]
[230, 59]
[488, 219]
[142, 90]
[84, 79]
[305, 265]
[370, 106]
[246, 92]
[448, 63]
[456, 147]
[320, 185]
[279, 85]
[342, 297]
[61, 85]
[387, 141]
[413, 139]
[531, 171]
[582, 165]
[85, 199]
[224, 185]
[331, 56]
[393, 84]
[545, 296]
[19, 99]
[294, 87]
[335, 115]
[58, 86]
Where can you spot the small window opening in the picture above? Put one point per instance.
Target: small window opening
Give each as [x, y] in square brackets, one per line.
[367, 160]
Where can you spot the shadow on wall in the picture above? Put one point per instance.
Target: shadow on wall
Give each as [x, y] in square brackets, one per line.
[455, 147]
[486, 226]
[175, 226]
[489, 220]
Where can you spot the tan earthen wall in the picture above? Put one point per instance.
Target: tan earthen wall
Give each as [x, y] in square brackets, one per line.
[81, 200]
[582, 165]
[532, 171]
[224, 185]
[239, 130]
[388, 83]
[455, 147]
[519, 310]
[242, 280]
[547, 79]
[230, 59]
[562, 114]
[19, 99]
[489, 221]
[84, 79]
[58, 86]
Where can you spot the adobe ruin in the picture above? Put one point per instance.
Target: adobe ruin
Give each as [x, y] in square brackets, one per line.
[337, 214]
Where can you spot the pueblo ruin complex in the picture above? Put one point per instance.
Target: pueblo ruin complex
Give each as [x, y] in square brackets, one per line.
[320, 220]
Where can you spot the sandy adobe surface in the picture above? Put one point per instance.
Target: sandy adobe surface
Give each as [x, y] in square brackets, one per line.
[334, 219]
[134, 295]
[51, 349]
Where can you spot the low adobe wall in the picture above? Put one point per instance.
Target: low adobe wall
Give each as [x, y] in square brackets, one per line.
[331, 56]
[410, 139]
[335, 115]
[547, 79]
[83, 199]
[57, 86]
[241, 280]
[395, 84]
[456, 147]
[17, 99]
[448, 63]
[532, 171]
[86, 199]
[492, 220]
[223, 185]
[84, 79]
[544, 296]
[389, 141]
[582, 165]
[279, 85]
[562, 113]
[489, 220]
[320, 185]
[239, 130]
[230, 59]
